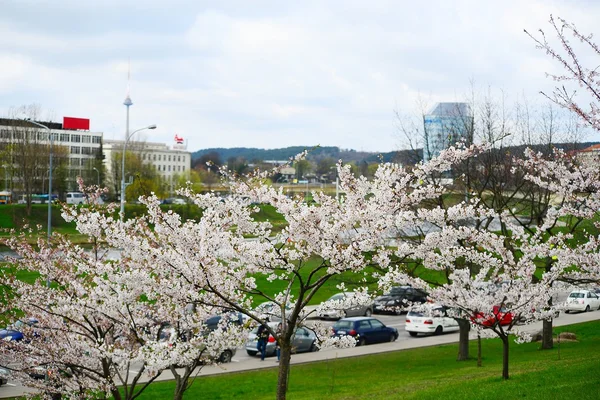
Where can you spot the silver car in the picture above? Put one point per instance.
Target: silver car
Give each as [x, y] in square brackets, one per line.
[304, 340]
[357, 311]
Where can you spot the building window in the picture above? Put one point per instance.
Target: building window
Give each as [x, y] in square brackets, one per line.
[179, 168]
[75, 161]
[75, 150]
[159, 157]
[97, 139]
[154, 157]
[169, 158]
[178, 158]
[86, 150]
[183, 168]
[64, 137]
[144, 156]
[76, 138]
[86, 139]
[169, 168]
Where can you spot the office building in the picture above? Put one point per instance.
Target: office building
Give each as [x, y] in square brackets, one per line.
[76, 152]
[445, 125]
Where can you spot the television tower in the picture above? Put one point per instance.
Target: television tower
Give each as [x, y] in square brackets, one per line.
[128, 103]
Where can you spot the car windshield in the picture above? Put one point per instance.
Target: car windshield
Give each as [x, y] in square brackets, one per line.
[399, 291]
[343, 325]
[577, 295]
[414, 314]
[338, 296]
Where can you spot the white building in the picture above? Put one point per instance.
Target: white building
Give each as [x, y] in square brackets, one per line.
[169, 161]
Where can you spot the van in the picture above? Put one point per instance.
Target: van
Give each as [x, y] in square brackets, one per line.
[5, 197]
[75, 198]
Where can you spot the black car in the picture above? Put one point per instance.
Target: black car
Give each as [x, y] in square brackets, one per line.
[365, 330]
[398, 299]
[233, 318]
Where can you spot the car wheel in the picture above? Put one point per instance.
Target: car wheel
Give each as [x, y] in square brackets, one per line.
[251, 353]
[313, 347]
[368, 312]
[413, 334]
[567, 311]
[226, 356]
[439, 330]
[393, 337]
[587, 308]
[362, 342]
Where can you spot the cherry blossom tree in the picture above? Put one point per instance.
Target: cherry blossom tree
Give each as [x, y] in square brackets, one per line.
[100, 325]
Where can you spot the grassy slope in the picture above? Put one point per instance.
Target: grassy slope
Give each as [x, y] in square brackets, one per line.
[426, 373]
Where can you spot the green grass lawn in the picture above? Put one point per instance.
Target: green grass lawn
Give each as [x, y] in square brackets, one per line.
[425, 373]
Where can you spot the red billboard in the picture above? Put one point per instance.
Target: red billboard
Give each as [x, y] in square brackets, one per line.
[76, 123]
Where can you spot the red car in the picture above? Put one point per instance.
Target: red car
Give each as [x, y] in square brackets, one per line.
[498, 316]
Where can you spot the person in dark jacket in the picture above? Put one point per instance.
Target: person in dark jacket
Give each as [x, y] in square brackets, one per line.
[262, 337]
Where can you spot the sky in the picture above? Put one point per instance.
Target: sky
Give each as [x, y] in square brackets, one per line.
[270, 74]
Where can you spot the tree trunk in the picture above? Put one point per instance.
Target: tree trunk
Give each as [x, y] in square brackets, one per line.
[181, 381]
[547, 339]
[463, 341]
[504, 356]
[116, 394]
[479, 350]
[284, 370]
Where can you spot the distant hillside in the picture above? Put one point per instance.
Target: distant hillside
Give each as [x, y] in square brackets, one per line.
[347, 155]
[405, 157]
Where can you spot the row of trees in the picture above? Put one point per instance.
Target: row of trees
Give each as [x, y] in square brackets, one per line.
[100, 318]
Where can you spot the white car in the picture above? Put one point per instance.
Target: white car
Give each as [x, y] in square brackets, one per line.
[430, 320]
[582, 300]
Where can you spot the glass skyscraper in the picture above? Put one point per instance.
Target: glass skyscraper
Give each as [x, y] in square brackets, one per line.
[445, 125]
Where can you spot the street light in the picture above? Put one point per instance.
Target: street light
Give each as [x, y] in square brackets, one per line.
[98, 173]
[127, 137]
[51, 138]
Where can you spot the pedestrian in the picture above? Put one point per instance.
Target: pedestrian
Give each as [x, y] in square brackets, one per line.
[262, 335]
[277, 347]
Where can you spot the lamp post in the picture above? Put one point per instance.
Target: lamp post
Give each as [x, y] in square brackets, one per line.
[51, 139]
[127, 137]
[98, 173]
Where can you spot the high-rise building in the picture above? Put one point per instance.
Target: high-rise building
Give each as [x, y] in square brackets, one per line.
[445, 125]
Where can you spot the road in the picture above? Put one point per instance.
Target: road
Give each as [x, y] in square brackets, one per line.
[243, 362]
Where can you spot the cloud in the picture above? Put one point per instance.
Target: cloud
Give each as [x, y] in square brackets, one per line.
[269, 73]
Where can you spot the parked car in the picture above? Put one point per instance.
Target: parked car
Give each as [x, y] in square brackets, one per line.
[582, 300]
[167, 336]
[431, 320]
[499, 315]
[9, 334]
[365, 330]
[234, 318]
[304, 340]
[365, 310]
[398, 299]
[15, 331]
[3, 376]
[270, 310]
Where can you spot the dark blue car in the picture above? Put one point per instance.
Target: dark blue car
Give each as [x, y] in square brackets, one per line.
[365, 330]
[11, 334]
